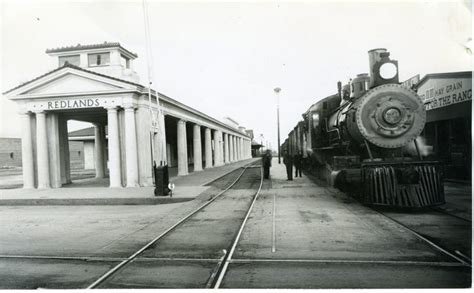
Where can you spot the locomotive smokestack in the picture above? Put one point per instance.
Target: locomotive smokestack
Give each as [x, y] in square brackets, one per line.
[374, 57]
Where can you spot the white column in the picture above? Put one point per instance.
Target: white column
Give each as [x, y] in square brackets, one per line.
[27, 151]
[42, 151]
[234, 157]
[208, 148]
[131, 155]
[241, 148]
[197, 148]
[237, 149]
[182, 149]
[64, 151]
[162, 139]
[114, 148]
[246, 148]
[217, 148]
[99, 144]
[52, 126]
[230, 148]
[234, 149]
[249, 149]
[221, 148]
[226, 149]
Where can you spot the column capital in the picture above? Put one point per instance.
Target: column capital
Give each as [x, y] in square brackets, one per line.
[129, 107]
[111, 108]
[39, 111]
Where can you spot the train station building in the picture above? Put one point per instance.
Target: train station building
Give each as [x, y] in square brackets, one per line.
[132, 129]
[448, 102]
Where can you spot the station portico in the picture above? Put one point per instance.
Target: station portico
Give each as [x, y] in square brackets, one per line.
[97, 84]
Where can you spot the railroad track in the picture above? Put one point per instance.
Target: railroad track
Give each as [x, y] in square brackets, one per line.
[456, 255]
[221, 268]
[442, 211]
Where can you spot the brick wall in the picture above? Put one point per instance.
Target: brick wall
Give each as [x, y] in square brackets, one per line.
[10, 152]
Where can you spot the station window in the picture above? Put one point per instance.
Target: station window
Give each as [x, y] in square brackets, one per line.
[99, 59]
[430, 93]
[71, 59]
[124, 61]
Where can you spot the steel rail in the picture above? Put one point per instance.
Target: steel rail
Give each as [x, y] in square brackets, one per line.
[229, 255]
[419, 236]
[53, 257]
[349, 261]
[431, 243]
[463, 256]
[441, 211]
[112, 271]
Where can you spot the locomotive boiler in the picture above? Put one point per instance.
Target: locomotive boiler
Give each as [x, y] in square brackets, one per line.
[365, 139]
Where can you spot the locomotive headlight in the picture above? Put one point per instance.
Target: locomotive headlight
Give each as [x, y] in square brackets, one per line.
[388, 70]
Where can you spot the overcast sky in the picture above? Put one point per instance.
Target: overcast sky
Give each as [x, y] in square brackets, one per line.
[226, 58]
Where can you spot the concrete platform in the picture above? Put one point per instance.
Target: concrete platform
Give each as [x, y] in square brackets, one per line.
[91, 191]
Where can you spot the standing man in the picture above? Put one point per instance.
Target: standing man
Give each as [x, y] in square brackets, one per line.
[298, 163]
[288, 161]
[266, 163]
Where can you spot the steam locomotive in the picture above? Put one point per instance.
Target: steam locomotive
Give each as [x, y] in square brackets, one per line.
[366, 140]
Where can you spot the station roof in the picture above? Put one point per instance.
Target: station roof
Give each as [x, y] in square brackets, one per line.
[458, 74]
[79, 47]
[256, 144]
[89, 131]
[139, 87]
[75, 67]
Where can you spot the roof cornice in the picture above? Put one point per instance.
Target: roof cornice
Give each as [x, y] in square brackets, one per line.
[80, 47]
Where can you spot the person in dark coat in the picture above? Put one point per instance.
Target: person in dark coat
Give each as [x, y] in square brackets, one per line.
[288, 161]
[266, 163]
[298, 162]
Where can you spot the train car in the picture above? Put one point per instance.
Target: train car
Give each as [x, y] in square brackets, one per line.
[365, 139]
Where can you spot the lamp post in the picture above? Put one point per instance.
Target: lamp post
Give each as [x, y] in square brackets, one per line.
[277, 91]
[261, 142]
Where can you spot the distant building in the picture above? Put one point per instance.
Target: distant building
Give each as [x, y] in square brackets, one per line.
[82, 148]
[448, 101]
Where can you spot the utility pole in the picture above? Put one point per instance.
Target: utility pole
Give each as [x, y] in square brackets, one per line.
[277, 91]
